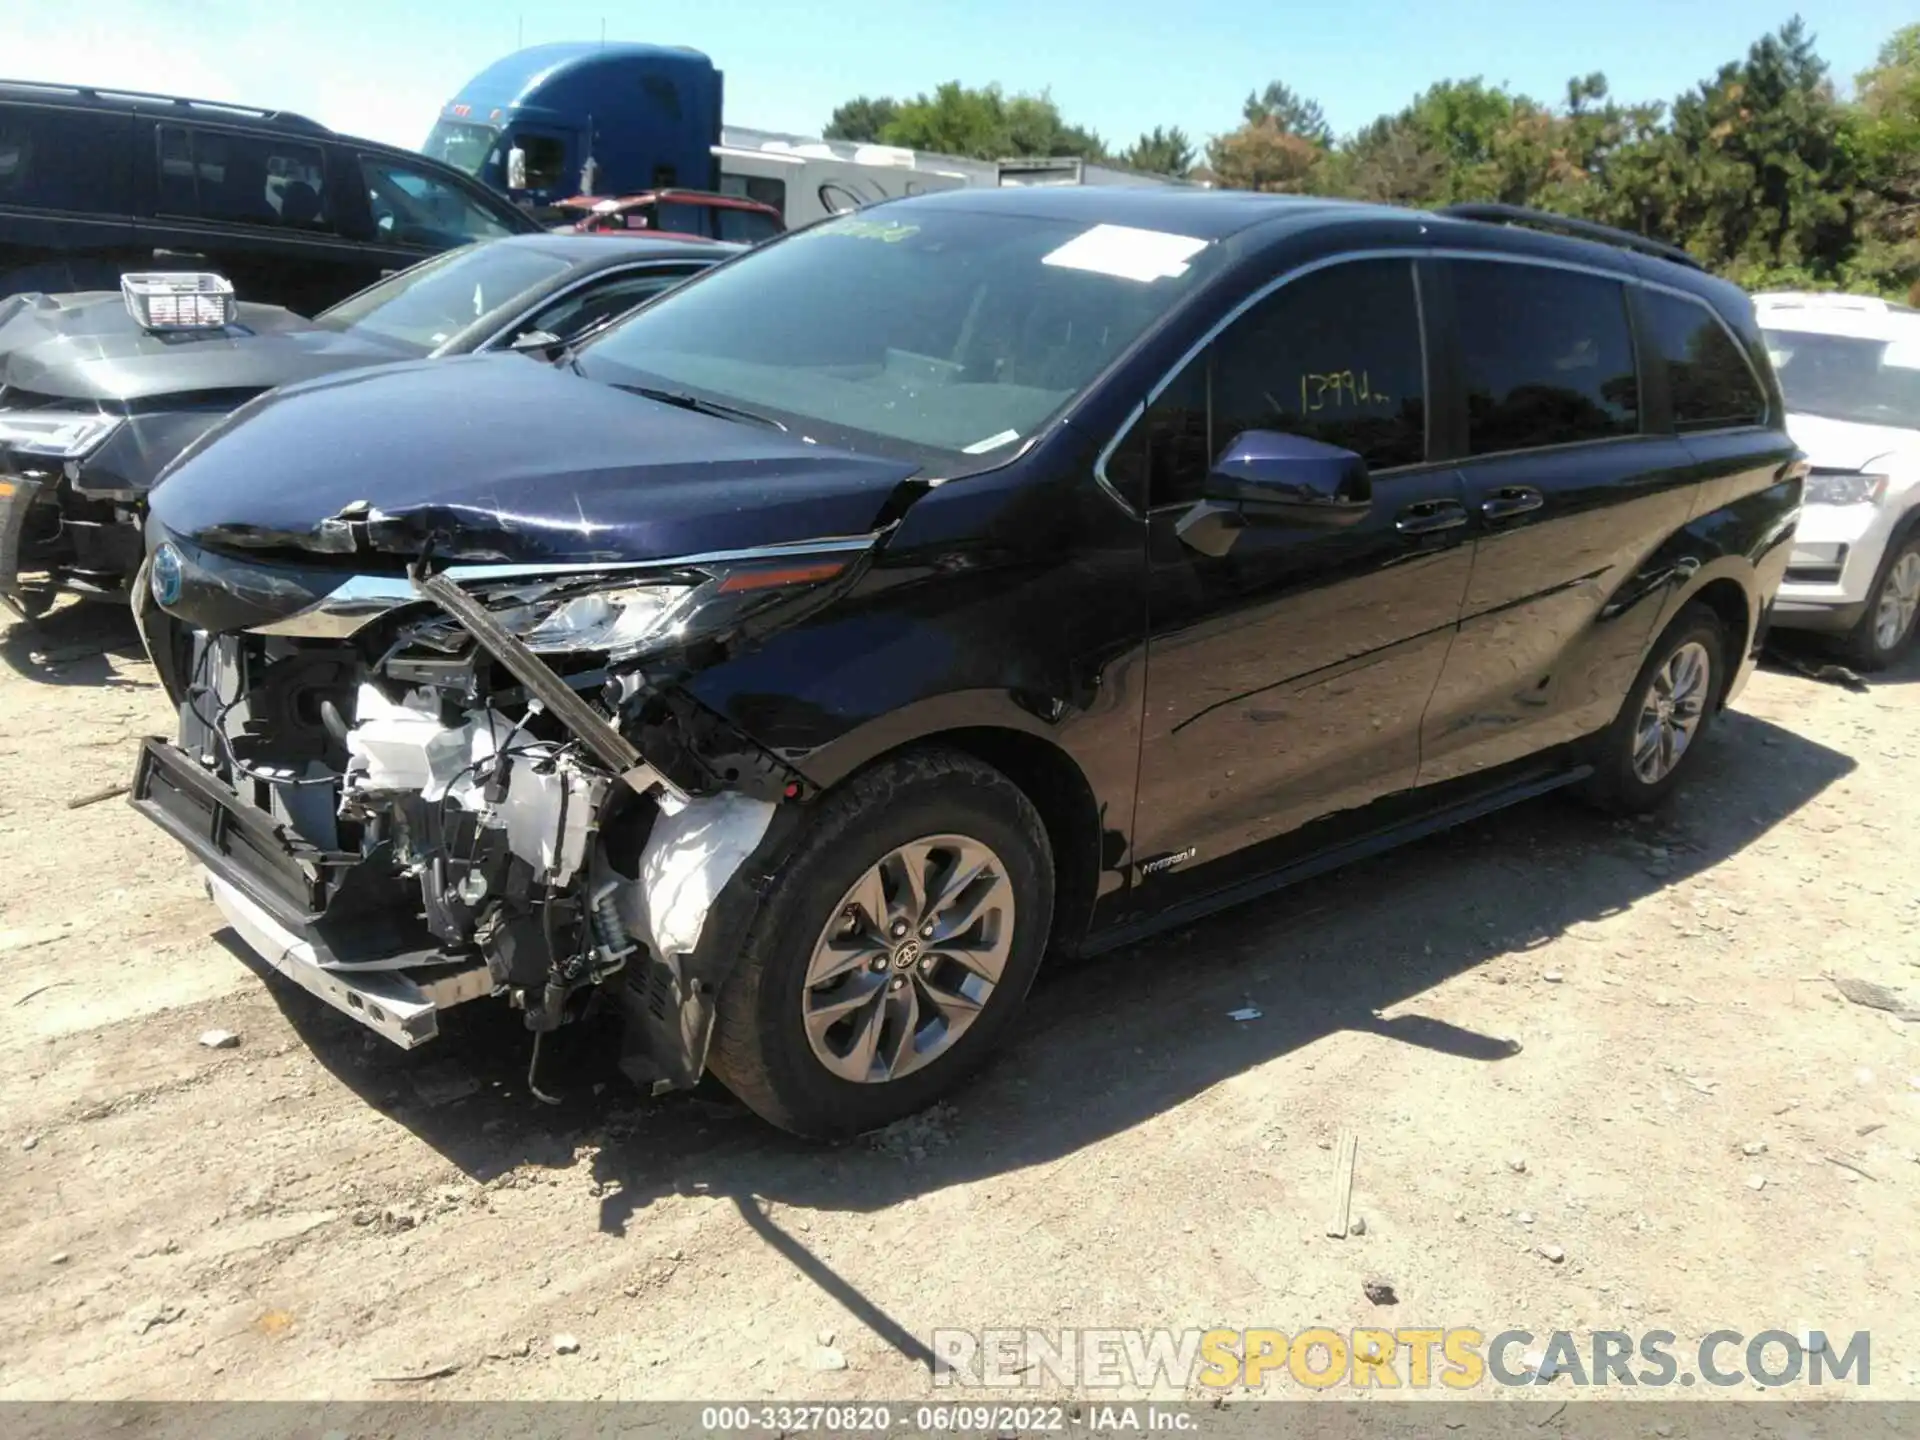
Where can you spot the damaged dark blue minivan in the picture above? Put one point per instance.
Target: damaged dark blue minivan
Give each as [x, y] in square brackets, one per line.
[982, 575]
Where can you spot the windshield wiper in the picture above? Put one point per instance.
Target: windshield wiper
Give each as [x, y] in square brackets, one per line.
[704, 406]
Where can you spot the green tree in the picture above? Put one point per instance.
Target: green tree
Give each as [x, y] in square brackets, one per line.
[1290, 111]
[1160, 152]
[1755, 172]
[1260, 155]
[1390, 162]
[985, 124]
[861, 119]
[1888, 260]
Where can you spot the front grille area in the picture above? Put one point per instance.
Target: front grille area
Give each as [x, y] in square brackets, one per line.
[242, 844]
[1813, 575]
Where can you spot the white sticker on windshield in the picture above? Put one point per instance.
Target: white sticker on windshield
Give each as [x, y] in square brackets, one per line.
[992, 442]
[1128, 253]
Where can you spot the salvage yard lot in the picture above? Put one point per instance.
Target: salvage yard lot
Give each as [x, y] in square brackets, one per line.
[1545, 1016]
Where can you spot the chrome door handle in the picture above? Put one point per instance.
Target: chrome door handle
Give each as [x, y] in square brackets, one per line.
[1511, 500]
[1428, 517]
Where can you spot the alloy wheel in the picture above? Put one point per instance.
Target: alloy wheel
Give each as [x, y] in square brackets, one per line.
[1898, 602]
[1670, 712]
[909, 959]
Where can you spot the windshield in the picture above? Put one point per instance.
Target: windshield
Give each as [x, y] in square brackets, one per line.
[463, 146]
[1843, 377]
[424, 307]
[951, 331]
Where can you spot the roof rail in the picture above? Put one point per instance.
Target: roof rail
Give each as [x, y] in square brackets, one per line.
[287, 118]
[1495, 214]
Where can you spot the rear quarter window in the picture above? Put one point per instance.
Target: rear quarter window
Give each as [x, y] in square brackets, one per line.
[1712, 385]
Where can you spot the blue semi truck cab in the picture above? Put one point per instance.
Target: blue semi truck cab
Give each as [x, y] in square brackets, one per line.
[554, 121]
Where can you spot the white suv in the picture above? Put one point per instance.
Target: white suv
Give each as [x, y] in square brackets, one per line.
[1850, 367]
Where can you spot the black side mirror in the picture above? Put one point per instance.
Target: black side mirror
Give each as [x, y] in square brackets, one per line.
[1271, 476]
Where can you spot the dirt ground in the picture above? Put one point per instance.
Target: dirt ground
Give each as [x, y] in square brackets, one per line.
[1623, 1007]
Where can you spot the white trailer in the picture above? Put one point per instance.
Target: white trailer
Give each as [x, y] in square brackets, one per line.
[808, 180]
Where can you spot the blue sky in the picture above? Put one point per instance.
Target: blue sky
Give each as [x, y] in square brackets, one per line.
[1119, 66]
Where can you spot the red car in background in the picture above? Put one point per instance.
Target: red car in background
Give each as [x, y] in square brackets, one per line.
[681, 214]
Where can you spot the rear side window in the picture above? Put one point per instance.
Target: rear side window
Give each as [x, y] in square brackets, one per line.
[1711, 383]
[1547, 354]
[59, 159]
[242, 179]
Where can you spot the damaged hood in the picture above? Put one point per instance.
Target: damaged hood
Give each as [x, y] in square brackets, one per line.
[87, 347]
[498, 459]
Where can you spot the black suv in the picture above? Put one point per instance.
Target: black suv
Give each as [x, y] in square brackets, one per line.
[981, 574]
[95, 182]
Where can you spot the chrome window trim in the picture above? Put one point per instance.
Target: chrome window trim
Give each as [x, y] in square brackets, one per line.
[1414, 253]
[358, 600]
[1106, 454]
[501, 335]
[1636, 438]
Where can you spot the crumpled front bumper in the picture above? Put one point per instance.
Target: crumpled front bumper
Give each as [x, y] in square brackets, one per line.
[264, 889]
[402, 1005]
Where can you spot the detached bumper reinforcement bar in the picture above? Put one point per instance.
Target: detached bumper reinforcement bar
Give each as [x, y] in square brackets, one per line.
[398, 1005]
[609, 746]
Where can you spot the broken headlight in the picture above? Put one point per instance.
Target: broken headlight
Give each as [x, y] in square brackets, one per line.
[611, 615]
[59, 435]
[620, 616]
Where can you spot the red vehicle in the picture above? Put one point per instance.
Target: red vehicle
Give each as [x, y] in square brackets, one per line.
[682, 214]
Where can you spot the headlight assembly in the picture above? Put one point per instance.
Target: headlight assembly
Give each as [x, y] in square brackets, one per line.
[620, 615]
[1828, 488]
[56, 434]
[614, 615]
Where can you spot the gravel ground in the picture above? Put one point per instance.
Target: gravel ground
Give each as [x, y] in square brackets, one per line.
[1552, 1036]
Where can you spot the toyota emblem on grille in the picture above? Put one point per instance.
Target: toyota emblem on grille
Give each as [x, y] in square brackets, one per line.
[165, 580]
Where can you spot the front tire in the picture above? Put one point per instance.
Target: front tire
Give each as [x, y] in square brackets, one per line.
[893, 950]
[1640, 759]
[1887, 629]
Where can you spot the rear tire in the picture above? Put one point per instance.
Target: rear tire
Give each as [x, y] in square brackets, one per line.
[1887, 629]
[1643, 756]
[847, 1009]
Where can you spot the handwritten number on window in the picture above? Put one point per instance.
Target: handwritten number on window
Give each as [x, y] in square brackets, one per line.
[1336, 388]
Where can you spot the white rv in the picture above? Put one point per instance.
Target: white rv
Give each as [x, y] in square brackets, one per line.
[808, 180]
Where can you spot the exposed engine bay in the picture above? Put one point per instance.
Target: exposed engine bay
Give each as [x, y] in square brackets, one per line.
[496, 794]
